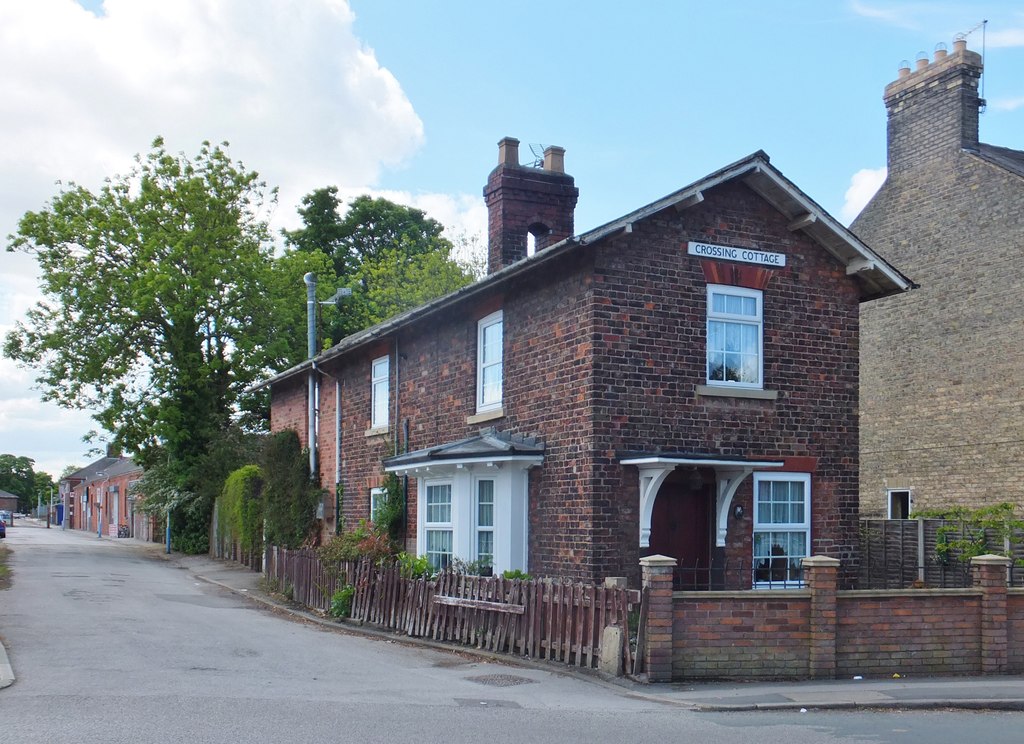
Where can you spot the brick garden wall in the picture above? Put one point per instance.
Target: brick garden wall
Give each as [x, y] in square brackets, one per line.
[919, 632]
[747, 634]
[819, 632]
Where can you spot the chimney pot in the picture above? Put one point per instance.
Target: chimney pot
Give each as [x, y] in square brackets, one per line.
[959, 44]
[508, 152]
[940, 51]
[554, 159]
[922, 60]
[904, 68]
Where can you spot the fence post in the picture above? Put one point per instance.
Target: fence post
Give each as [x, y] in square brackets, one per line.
[988, 572]
[656, 572]
[820, 576]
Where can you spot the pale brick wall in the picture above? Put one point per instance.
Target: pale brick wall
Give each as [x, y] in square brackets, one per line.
[942, 368]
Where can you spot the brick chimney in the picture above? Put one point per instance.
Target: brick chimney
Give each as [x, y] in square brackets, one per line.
[933, 110]
[525, 200]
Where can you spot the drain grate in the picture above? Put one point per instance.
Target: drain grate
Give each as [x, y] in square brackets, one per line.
[500, 680]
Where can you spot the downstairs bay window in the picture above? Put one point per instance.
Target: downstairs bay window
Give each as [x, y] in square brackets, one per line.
[475, 513]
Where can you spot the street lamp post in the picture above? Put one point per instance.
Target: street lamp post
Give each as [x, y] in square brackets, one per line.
[49, 508]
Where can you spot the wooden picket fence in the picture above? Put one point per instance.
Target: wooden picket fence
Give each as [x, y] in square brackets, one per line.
[538, 618]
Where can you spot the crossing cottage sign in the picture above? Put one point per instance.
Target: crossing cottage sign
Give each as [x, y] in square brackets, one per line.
[744, 255]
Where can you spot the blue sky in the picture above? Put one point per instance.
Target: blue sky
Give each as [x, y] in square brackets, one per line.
[407, 99]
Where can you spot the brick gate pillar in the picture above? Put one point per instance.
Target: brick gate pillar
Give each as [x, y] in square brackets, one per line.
[820, 577]
[988, 573]
[656, 573]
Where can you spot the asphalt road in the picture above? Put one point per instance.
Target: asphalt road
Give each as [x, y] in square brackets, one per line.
[111, 644]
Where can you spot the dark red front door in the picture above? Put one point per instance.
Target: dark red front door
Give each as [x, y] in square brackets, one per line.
[681, 529]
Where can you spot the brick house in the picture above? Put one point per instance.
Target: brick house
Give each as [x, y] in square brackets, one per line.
[626, 391]
[98, 498]
[942, 369]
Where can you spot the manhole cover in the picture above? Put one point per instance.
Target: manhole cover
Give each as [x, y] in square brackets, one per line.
[500, 680]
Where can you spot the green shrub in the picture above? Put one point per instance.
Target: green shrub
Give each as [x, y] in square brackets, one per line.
[516, 574]
[341, 601]
[365, 541]
[414, 567]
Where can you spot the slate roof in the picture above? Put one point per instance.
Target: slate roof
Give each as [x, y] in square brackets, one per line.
[1004, 157]
[876, 276]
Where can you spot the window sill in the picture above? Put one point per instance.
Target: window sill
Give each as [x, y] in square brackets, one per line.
[377, 431]
[480, 418]
[730, 392]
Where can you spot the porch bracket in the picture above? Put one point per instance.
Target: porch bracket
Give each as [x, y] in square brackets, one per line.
[728, 482]
[651, 479]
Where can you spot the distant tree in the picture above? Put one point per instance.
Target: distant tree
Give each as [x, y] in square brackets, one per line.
[17, 476]
[156, 309]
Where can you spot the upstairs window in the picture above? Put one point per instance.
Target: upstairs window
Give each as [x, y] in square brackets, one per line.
[489, 363]
[380, 386]
[901, 503]
[734, 336]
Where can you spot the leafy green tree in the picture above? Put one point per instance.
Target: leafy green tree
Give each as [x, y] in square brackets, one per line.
[393, 257]
[156, 309]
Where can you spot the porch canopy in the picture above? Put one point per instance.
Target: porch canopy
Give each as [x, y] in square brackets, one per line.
[654, 468]
[489, 448]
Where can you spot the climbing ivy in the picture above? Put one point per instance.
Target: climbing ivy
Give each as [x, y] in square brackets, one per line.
[968, 533]
[289, 497]
[240, 510]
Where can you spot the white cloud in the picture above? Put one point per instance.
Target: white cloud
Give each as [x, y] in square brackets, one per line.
[1007, 37]
[863, 186]
[300, 98]
[1007, 104]
[901, 16]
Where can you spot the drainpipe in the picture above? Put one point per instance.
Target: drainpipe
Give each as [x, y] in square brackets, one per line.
[337, 456]
[310, 280]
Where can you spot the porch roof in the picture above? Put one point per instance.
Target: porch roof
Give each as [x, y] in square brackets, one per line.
[487, 447]
[667, 459]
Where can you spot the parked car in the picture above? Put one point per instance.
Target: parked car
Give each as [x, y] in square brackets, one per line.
[3, 528]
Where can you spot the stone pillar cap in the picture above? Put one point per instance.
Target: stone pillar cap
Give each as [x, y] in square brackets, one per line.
[658, 561]
[820, 560]
[990, 560]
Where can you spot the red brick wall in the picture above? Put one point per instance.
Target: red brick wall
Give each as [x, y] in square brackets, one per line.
[877, 633]
[603, 353]
[908, 632]
[750, 635]
[1015, 631]
[649, 341]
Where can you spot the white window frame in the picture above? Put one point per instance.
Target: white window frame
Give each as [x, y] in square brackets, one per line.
[756, 321]
[440, 526]
[483, 401]
[760, 526]
[479, 528]
[888, 501]
[376, 499]
[380, 392]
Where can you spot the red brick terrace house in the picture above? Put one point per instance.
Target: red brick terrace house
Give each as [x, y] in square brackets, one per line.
[98, 498]
[682, 380]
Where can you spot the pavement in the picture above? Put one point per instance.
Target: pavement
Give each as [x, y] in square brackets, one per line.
[973, 693]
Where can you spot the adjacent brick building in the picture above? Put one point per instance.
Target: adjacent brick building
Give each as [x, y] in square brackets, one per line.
[630, 390]
[98, 498]
[942, 369]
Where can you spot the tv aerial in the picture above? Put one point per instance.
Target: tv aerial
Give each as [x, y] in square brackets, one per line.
[537, 150]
